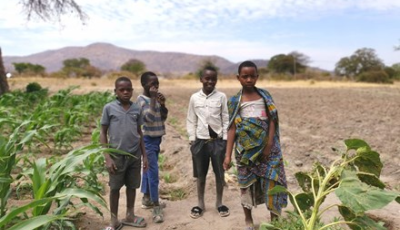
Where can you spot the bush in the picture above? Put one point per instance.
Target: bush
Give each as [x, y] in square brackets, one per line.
[33, 87]
[117, 74]
[375, 76]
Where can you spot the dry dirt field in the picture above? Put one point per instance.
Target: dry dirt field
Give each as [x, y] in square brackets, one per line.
[314, 116]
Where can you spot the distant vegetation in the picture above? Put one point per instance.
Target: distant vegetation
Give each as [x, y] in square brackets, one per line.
[363, 65]
[134, 66]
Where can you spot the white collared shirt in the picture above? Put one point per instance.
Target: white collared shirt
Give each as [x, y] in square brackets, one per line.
[207, 110]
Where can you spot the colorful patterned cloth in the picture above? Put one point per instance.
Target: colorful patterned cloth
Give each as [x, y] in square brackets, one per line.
[253, 169]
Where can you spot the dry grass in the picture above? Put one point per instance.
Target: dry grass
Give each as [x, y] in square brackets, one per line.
[87, 85]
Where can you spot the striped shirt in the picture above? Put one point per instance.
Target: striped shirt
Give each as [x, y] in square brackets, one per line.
[153, 121]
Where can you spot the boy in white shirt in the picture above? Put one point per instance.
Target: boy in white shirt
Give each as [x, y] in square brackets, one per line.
[207, 122]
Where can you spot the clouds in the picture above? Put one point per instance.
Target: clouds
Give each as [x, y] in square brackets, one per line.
[234, 29]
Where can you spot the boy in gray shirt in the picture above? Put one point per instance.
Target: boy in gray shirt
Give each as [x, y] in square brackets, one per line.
[120, 129]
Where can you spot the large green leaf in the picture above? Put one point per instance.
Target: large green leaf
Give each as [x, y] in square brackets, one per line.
[368, 161]
[35, 222]
[268, 226]
[277, 189]
[304, 200]
[15, 212]
[371, 179]
[304, 180]
[361, 197]
[355, 144]
[82, 193]
[361, 222]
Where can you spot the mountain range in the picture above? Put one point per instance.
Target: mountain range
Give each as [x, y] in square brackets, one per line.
[109, 57]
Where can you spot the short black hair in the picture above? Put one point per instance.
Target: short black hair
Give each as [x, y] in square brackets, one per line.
[211, 68]
[123, 78]
[145, 76]
[247, 64]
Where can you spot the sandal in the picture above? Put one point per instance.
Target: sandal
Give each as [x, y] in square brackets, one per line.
[147, 204]
[250, 227]
[196, 212]
[223, 211]
[158, 216]
[113, 228]
[138, 222]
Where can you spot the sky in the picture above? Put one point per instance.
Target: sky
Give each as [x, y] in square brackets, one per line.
[238, 30]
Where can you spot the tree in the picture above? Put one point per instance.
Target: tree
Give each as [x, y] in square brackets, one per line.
[79, 67]
[293, 63]
[204, 64]
[396, 68]
[361, 61]
[46, 10]
[28, 68]
[3, 79]
[134, 66]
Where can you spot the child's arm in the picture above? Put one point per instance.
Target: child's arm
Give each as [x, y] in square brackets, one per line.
[149, 112]
[271, 134]
[225, 118]
[111, 167]
[163, 110]
[229, 147]
[143, 149]
[191, 121]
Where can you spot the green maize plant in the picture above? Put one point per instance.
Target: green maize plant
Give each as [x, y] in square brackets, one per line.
[9, 148]
[354, 178]
[64, 180]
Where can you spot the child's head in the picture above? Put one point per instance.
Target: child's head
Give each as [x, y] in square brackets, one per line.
[123, 89]
[247, 74]
[209, 78]
[149, 79]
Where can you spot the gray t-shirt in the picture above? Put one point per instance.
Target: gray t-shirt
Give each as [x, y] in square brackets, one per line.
[122, 126]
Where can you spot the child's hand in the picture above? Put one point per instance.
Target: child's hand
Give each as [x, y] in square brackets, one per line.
[153, 91]
[110, 165]
[145, 164]
[227, 163]
[161, 98]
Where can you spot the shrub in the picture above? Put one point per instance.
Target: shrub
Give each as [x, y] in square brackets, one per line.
[33, 87]
[117, 74]
[354, 177]
[375, 76]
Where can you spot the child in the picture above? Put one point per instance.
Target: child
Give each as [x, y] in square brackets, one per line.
[207, 122]
[155, 113]
[120, 129]
[253, 128]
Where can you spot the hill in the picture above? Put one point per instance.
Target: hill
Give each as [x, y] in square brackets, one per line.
[110, 57]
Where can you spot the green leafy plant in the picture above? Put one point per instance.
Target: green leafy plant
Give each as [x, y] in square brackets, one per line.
[63, 180]
[33, 87]
[354, 178]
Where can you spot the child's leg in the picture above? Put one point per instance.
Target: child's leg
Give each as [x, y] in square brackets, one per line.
[130, 203]
[152, 145]
[153, 176]
[217, 156]
[248, 218]
[201, 186]
[132, 182]
[116, 182]
[274, 216]
[114, 201]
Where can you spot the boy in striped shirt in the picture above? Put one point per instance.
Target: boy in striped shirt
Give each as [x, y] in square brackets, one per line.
[154, 115]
